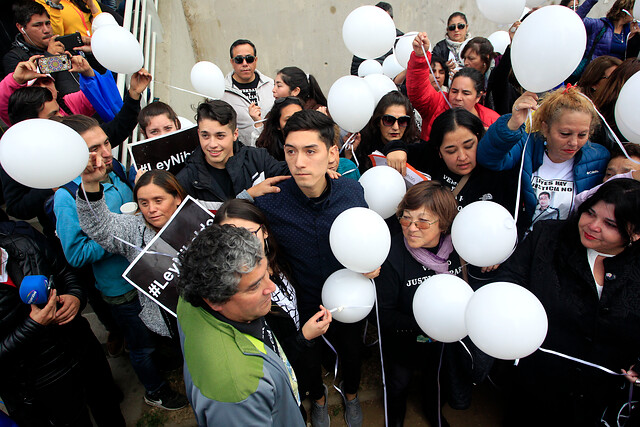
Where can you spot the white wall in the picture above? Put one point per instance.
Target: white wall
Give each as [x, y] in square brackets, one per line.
[304, 33]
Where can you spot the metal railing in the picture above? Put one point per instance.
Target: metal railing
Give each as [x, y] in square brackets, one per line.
[141, 18]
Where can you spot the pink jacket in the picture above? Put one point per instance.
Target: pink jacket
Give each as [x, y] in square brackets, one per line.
[429, 103]
[77, 102]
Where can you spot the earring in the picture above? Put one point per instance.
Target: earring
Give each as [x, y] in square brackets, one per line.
[266, 247]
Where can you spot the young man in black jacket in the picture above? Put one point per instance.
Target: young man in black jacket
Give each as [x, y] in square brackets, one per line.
[223, 167]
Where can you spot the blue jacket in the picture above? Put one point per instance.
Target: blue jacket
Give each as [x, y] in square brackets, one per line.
[301, 229]
[594, 26]
[501, 149]
[80, 250]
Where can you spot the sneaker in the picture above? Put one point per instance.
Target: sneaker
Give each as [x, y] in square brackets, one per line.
[115, 344]
[166, 398]
[352, 411]
[320, 414]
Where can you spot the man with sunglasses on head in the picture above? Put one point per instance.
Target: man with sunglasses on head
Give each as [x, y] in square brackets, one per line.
[247, 90]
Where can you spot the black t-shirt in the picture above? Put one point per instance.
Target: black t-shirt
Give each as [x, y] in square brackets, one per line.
[249, 89]
[483, 184]
[221, 176]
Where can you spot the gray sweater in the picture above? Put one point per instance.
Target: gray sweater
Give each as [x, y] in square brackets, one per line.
[105, 228]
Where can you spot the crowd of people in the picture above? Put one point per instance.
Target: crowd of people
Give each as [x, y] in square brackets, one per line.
[250, 331]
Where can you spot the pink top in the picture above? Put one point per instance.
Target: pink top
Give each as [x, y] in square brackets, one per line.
[76, 101]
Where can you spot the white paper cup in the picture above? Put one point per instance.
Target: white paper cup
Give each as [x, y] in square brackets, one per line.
[129, 208]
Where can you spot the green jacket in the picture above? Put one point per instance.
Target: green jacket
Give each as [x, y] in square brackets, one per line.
[231, 378]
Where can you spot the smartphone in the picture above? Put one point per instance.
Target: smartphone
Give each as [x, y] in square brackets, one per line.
[54, 64]
[70, 41]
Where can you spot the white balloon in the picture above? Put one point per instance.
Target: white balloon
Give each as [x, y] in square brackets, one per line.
[41, 153]
[439, 306]
[404, 47]
[207, 79]
[534, 3]
[636, 10]
[103, 19]
[501, 11]
[117, 49]
[384, 188]
[380, 85]
[506, 321]
[185, 123]
[369, 32]
[369, 66]
[626, 109]
[350, 103]
[484, 233]
[360, 239]
[550, 35]
[500, 41]
[351, 295]
[390, 67]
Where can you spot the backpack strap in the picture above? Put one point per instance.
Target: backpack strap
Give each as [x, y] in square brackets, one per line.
[119, 171]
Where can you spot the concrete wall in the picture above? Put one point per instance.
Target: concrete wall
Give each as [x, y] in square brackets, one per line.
[305, 33]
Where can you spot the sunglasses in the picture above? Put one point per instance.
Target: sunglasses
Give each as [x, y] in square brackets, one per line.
[421, 224]
[389, 120]
[452, 27]
[240, 59]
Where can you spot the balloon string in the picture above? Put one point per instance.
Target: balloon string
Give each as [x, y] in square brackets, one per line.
[384, 379]
[434, 76]
[524, 149]
[348, 145]
[439, 391]
[613, 134]
[470, 355]
[182, 90]
[344, 307]
[335, 369]
[584, 362]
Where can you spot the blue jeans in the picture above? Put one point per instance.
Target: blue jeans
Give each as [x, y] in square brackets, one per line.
[140, 343]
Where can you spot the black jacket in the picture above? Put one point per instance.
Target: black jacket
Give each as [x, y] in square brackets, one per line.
[245, 166]
[32, 355]
[399, 279]
[441, 50]
[25, 203]
[483, 184]
[552, 263]
[21, 51]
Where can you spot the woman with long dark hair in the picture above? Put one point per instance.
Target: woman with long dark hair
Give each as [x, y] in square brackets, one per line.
[272, 137]
[392, 125]
[585, 272]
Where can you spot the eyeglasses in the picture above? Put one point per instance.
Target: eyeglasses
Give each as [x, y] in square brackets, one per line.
[255, 232]
[421, 224]
[452, 27]
[240, 59]
[389, 120]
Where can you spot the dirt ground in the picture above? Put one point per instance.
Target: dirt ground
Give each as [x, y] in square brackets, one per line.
[486, 409]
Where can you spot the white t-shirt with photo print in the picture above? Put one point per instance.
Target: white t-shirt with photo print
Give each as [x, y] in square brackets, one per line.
[557, 180]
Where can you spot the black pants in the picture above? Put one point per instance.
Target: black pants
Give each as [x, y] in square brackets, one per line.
[347, 340]
[65, 401]
[401, 362]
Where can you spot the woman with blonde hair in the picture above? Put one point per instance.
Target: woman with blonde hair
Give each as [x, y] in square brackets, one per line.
[558, 157]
